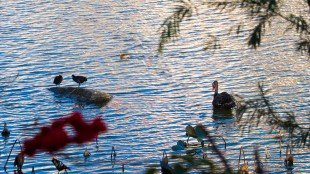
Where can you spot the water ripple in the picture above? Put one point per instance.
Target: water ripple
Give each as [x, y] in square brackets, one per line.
[155, 96]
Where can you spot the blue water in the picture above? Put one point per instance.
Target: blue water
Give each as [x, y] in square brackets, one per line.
[154, 95]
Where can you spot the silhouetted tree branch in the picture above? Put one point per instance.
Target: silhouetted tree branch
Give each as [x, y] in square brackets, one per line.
[261, 110]
[262, 10]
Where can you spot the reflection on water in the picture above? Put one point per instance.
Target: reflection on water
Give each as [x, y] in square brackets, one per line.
[222, 114]
[154, 96]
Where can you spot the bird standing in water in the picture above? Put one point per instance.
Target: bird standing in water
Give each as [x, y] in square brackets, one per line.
[58, 80]
[5, 131]
[79, 79]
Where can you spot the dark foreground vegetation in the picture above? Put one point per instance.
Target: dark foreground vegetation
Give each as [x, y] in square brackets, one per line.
[250, 114]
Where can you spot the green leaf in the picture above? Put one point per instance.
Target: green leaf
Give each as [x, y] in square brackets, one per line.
[199, 129]
[190, 131]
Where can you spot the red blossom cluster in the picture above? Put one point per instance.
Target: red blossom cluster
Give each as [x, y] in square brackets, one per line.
[54, 137]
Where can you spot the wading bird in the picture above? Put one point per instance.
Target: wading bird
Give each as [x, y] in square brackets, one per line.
[79, 79]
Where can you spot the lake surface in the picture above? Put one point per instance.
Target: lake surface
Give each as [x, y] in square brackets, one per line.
[155, 96]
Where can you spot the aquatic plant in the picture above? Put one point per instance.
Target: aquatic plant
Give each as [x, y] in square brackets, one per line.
[188, 162]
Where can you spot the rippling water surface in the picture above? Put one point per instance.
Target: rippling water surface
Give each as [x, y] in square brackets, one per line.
[155, 96]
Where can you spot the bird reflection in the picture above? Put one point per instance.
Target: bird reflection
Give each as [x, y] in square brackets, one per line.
[222, 114]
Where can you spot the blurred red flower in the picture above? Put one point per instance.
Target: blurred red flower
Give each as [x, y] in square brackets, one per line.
[54, 137]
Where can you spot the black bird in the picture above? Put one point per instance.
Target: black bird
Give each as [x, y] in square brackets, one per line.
[58, 80]
[59, 165]
[222, 100]
[79, 79]
[5, 131]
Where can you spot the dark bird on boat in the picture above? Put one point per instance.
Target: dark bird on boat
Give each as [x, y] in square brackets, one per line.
[5, 132]
[19, 161]
[58, 80]
[222, 100]
[59, 165]
[79, 79]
